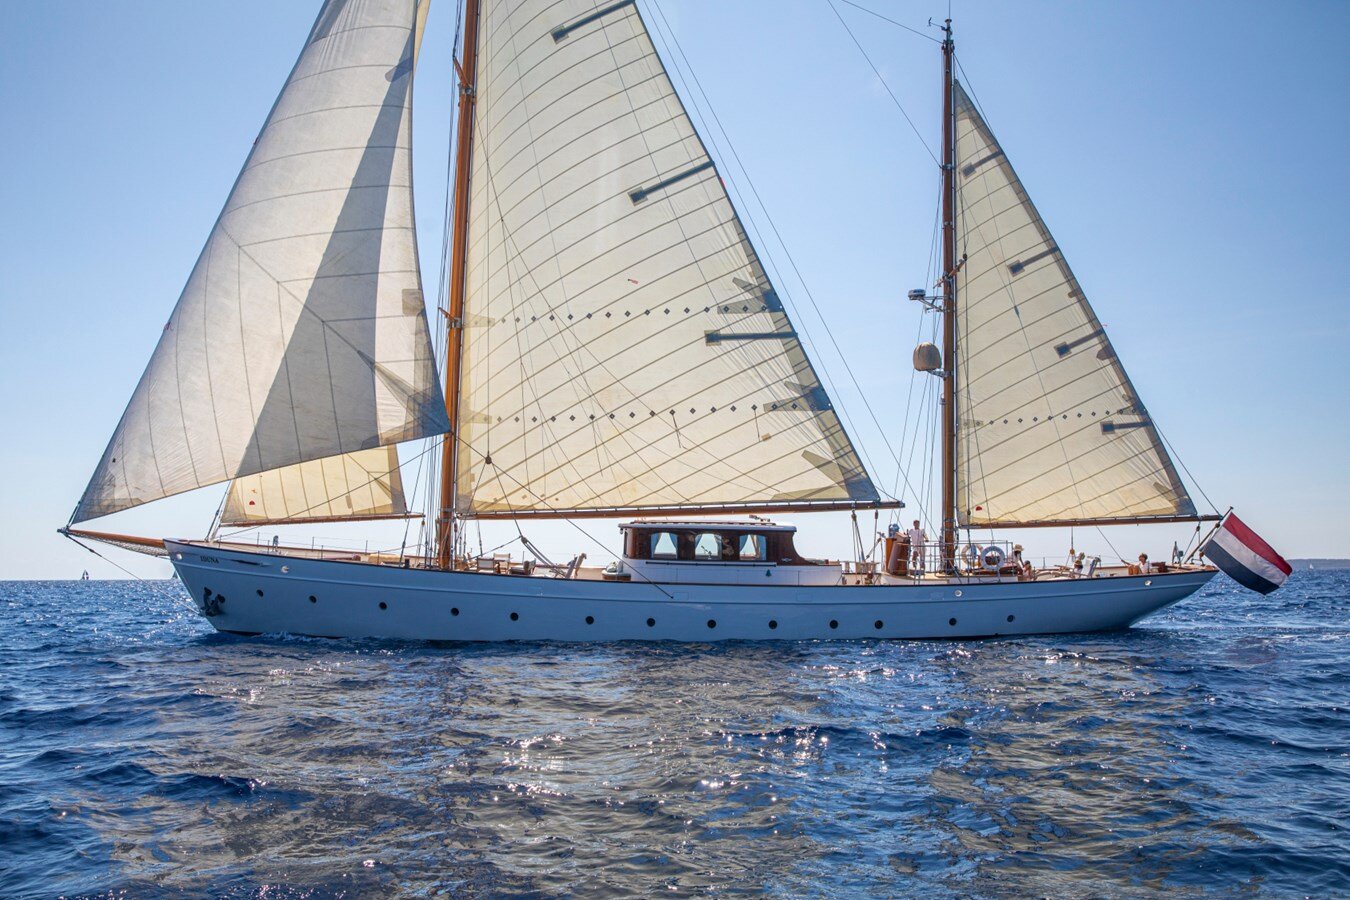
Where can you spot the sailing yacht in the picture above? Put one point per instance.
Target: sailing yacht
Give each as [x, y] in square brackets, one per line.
[614, 348]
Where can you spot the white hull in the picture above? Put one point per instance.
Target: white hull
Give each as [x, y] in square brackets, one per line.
[261, 592]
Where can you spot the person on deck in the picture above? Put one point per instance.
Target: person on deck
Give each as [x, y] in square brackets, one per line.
[1144, 567]
[916, 541]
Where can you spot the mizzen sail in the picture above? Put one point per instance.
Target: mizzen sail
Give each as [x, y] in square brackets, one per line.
[365, 484]
[301, 333]
[624, 348]
[1050, 428]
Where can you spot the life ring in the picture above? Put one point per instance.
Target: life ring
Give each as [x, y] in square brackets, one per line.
[991, 558]
[970, 555]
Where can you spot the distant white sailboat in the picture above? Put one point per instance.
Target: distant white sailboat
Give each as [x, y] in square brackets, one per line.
[614, 348]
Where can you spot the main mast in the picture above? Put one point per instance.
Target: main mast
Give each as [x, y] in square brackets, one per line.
[949, 267]
[468, 80]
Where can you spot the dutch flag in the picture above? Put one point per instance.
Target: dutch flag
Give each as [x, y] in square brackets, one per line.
[1244, 557]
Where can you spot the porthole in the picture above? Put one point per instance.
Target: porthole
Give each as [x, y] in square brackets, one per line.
[313, 599]
[260, 593]
[651, 623]
[454, 610]
[773, 623]
[877, 624]
[958, 593]
[712, 623]
[383, 605]
[951, 621]
[285, 569]
[515, 617]
[1147, 583]
[834, 623]
[1010, 618]
[178, 556]
[590, 620]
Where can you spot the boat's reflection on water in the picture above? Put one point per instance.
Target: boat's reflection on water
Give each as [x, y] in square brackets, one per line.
[1044, 766]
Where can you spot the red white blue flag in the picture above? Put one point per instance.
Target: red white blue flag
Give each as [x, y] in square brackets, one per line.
[1241, 554]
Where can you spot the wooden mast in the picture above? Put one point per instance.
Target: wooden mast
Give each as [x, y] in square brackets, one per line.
[468, 80]
[949, 266]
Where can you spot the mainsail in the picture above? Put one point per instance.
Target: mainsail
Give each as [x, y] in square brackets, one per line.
[365, 484]
[624, 348]
[1050, 428]
[301, 333]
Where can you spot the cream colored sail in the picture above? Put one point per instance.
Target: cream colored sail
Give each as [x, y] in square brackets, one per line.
[365, 484]
[624, 347]
[301, 333]
[1050, 428]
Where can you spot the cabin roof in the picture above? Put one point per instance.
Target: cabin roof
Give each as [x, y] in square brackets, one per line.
[705, 525]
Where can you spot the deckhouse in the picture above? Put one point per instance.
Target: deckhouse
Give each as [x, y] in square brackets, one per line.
[720, 552]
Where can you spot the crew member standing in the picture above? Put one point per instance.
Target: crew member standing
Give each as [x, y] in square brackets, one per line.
[916, 542]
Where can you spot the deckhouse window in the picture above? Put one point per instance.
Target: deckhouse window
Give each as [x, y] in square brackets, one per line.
[708, 546]
[689, 545]
[665, 546]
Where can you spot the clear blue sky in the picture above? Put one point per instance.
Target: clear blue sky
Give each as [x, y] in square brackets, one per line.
[1187, 157]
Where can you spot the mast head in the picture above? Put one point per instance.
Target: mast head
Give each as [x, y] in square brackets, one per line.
[945, 28]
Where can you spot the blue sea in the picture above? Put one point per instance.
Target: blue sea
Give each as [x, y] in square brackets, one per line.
[1206, 751]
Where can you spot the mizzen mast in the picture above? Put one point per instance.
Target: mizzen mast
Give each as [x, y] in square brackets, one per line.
[467, 70]
[949, 267]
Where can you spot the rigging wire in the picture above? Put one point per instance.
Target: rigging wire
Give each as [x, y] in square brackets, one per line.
[407, 525]
[543, 502]
[115, 565]
[930, 274]
[914, 31]
[881, 78]
[769, 262]
[1182, 463]
[674, 41]
[441, 340]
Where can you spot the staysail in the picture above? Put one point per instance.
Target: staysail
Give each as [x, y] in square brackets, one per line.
[624, 348]
[301, 333]
[1050, 428]
[365, 484]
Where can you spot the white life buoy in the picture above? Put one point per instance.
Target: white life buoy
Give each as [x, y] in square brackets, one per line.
[970, 555]
[991, 558]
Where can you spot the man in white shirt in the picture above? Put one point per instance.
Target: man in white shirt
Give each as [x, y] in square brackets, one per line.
[916, 541]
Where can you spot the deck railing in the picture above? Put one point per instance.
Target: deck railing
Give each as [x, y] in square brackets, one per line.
[977, 561]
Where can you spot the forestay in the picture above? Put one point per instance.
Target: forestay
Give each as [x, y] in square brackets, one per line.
[365, 484]
[301, 333]
[624, 347]
[1050, 428]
